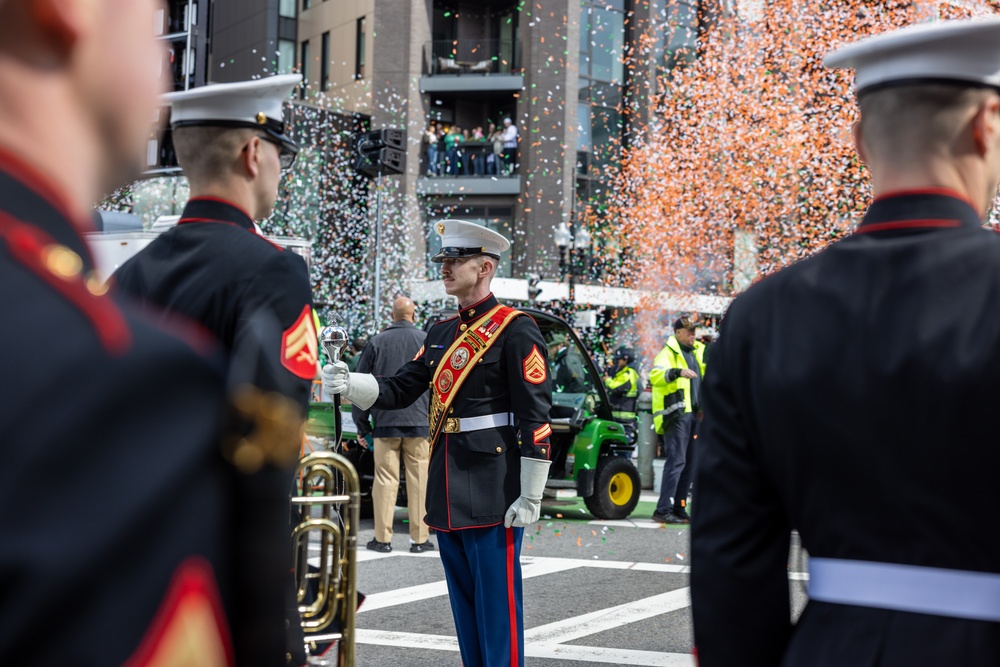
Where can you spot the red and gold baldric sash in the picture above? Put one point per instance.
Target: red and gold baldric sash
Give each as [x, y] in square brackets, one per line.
[459, 360]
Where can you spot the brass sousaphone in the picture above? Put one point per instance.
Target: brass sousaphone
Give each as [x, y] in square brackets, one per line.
[327, 504]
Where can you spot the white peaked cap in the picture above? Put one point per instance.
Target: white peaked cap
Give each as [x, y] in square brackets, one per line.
[966, 51]
[460, 238]
[243, 103]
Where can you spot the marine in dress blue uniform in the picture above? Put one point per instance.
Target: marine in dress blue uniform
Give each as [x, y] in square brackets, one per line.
[119, 532]
[850, 396]
[118, 498]
[252, 295]
[495, 435]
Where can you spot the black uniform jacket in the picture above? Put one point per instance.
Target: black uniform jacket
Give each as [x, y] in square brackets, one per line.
[115, 498]
[852, 397]
[474, 477]
[255, 298]
[250, 293]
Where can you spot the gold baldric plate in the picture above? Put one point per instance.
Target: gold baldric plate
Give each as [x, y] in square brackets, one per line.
[452, 425]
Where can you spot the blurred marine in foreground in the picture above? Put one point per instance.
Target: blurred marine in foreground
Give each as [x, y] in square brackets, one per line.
[849, 396]
[117, 539]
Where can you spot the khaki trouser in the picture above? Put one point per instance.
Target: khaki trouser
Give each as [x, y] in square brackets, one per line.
[416, 452]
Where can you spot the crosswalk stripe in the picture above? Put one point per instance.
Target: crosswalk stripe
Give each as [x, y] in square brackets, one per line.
[438, 588]
[552, 651]
[610, 656]
[576, 627]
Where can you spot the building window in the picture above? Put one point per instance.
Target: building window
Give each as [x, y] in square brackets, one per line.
[286, 56]
[324, 63]
[286, 9]
[359, 49]
[603, 38]
[306, 4]
[304, 67]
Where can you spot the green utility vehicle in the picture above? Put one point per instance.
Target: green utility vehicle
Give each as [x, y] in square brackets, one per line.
[591, 450]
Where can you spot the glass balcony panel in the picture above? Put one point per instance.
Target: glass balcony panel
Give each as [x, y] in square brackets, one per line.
[476, 159]
[472, 56]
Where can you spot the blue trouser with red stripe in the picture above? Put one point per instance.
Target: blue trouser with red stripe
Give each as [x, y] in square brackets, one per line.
[483, 570]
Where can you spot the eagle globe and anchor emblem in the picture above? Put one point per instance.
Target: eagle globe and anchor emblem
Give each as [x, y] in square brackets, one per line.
[460, 358]
[445, 381]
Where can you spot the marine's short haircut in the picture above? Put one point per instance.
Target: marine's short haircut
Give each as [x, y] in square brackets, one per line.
[912, 122]
[207, 153]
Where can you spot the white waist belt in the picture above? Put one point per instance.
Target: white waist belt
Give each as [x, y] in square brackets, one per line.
[914, 588]
[466, 424]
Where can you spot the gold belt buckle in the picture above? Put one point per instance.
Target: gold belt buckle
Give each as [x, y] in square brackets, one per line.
[452, 425]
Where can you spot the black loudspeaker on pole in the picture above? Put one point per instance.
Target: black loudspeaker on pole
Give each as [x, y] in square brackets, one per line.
[380, 152]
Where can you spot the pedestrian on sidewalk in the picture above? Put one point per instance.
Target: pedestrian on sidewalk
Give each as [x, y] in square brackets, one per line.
[397, 432]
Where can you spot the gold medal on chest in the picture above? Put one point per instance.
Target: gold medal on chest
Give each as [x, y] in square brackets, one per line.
[445, 380]
[459, 358]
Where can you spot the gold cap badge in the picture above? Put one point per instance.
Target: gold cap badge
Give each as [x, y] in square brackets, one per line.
[440, 228]
[261, 118]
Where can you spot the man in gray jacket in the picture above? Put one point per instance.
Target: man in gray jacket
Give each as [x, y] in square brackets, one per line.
[403, 430]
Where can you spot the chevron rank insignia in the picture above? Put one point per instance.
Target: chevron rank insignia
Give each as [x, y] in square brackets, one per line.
[300, 346]
[534, 367]
[190, 627]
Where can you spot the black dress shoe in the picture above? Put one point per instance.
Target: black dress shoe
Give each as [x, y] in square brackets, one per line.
[422, 547]
[682, 513]
[669, 517]
[381, 547]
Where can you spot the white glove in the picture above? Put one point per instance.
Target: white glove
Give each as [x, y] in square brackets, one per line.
[361, 389]
[525, 510]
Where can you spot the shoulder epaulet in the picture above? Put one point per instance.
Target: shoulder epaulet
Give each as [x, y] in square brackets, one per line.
[62, 270]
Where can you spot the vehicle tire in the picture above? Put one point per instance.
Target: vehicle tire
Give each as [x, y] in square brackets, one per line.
[616, 488]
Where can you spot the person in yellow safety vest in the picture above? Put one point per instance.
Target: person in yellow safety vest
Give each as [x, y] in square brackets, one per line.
[676, 379]
[623, 387]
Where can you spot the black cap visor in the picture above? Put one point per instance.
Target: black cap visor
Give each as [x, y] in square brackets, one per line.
[455, 252]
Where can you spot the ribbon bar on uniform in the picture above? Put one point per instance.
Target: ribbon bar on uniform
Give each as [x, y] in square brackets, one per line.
[913, 588]
[466, 424]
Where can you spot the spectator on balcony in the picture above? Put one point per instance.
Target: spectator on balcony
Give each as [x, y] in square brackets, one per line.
[452, 153]
[477, 154]
[431, 139]
[493, 157]
[509, 138]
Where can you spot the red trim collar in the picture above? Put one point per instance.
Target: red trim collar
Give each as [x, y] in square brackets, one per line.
[944, 192]
[462, 311]
[42, 185]
[906, 224]
[222, 201]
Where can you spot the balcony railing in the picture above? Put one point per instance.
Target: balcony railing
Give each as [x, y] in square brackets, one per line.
[472, 56]
[468, 158]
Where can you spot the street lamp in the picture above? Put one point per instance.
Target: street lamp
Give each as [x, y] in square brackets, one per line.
[574, 254]
[564, 239]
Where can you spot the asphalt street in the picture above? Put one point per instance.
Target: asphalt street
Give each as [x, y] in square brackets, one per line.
[595, 593]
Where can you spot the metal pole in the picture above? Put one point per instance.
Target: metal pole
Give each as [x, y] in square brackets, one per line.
[188, 65]
[377, 283]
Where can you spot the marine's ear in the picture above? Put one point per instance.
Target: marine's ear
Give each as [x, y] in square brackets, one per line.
[252, 156]
[986, 125]
[859, 143]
